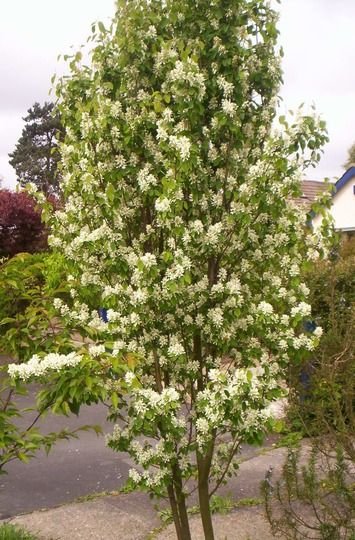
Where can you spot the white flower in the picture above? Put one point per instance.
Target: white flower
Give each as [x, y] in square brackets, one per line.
[216, 316]
[304, 289]
[226, 86]
[265, 308]
[149, 260]
[169, 395]
[113, 316]
[176, 348]
[129, 378]
[162, 205]
[182, 145]
[283, 344]
[302, 309]
[197, 226]
[202, 425]
[214, 375]
[134, 475]
[312, 254]
[146, 179]
[318, 332]
[57, 303]
[138, 297]
[96, 350]
[282, 292]
[234, 286]
[118, 347]
[228, 107]
[152, 31]
[294, 270]
[213, 234]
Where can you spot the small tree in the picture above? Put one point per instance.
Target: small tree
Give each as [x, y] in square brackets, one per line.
[351, 157]
[35, 158]
[21, 227]
[179, 221]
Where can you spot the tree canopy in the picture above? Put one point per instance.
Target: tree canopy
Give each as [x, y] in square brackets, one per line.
[179, 220]
[35, 158]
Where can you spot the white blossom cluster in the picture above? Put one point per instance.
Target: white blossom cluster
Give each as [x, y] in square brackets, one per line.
[38, 366]
[242, 393]
[179, 220]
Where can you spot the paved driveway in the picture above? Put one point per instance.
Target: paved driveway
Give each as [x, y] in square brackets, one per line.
[78, 467]
[74, 468]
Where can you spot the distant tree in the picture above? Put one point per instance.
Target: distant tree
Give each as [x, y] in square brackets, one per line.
[21, 228]
[35, 158]
[351, 157]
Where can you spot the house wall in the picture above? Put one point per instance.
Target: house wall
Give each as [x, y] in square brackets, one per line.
[343, 208]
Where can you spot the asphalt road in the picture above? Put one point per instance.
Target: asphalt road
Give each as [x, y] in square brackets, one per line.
[72, 469]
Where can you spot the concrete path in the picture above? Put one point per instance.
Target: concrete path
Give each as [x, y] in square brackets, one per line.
[126, 517]
[241, 524]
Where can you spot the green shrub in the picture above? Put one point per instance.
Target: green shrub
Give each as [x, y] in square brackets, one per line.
[28, 285]
[332, 286]
[321, 386]
[315, 496]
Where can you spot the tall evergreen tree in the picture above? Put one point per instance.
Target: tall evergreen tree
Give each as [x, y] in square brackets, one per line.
[35, 157]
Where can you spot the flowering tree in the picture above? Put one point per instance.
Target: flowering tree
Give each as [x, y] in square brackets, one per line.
[179, 221]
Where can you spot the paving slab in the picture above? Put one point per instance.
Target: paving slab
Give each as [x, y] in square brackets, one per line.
[131, 517]
[242, 524]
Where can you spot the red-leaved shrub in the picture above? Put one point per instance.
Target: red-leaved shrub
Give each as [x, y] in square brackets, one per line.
[21, 228]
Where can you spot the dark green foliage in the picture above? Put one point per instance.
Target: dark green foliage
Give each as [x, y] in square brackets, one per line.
[326, 401]
[35, 158]
[19, 436]
[332, 285]
[315, 497]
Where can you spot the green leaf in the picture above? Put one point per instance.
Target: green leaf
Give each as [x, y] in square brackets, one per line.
[110, 193]
[114, 400]
[101, 26]
[158, 106]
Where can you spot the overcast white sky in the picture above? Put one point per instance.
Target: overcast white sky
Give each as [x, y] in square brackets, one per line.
[317, 36]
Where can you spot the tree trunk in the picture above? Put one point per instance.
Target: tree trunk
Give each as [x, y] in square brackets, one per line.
[175, 512]
[181, 503]
[205, 510]
[204, 467]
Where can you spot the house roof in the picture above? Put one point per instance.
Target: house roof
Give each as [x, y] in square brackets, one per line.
[348, 175]
[310, 190]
